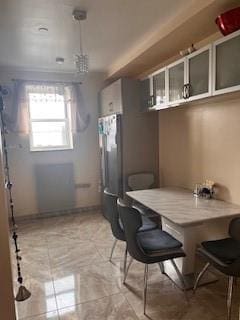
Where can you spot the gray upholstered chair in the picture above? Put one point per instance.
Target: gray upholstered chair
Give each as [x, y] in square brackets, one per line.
[153, 246]
[224, 255]
[142, 181]
[112, 215]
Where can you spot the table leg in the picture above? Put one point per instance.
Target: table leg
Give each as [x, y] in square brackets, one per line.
[190, 238]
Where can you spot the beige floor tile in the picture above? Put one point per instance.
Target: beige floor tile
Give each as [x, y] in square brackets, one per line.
[74, 250]
[166, 302]
[63, 237]
[79, 227]
[33, 230]
[90, 218]
[175, 313]
[105, 247]
[71, 235]
[103, 233]
[114, 307]
[214, 297]
[52, 223]
[89, 283]
[136, 273]
[85, 219]
[162, 298]
[34, 264]
[31, 240]
[70, 257]
[42, 299]
[47, 316]
[88, 231]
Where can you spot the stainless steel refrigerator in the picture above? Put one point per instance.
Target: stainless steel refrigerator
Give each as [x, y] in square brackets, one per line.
[128, 137]
[110, 142]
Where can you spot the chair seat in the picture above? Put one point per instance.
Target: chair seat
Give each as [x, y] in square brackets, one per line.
[226, 250]
[157, 240]
[147, 224]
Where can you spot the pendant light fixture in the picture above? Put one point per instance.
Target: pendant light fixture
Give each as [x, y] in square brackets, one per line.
[23, 293]
[81, 59]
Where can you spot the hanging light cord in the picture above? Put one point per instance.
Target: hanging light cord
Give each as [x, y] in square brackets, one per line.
[80, 37]
[8, 185]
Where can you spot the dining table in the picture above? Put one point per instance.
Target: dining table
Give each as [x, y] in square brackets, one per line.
[191, 220]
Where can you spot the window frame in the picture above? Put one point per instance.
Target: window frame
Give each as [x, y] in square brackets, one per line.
[66, 120]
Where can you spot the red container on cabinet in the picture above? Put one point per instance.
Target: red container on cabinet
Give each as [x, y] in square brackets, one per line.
[229, 21]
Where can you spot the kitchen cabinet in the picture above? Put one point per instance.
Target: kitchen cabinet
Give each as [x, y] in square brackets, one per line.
[159, 89]
[176, 79]
[146, 94]
[226, 64]
[190, 77]
[198, 74]
[209, 71]
[111, 99]
[184, 80]
[154, 91]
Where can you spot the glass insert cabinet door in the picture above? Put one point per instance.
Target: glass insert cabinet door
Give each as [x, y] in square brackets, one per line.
[146, 94]
[227, 64]
[176, 81]
[198, 72]
[159, 88]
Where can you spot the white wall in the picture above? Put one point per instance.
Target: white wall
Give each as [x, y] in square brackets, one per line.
[201, 142]
[84, 156]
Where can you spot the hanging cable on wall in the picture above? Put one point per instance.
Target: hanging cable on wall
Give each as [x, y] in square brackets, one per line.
[23, 293]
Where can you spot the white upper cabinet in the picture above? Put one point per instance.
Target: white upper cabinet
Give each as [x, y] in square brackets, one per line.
[111, 98]
[159, 91]
[188, 78]
[198, 74]
[212, 70]
[175, 80]
[146, 92]
[226, 64]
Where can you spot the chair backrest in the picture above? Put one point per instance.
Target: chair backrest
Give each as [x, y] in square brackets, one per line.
[141, 181]
[132, 221]
[110, 201]
[234, 229]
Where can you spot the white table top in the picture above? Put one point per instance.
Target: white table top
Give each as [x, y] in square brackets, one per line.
[181, 207]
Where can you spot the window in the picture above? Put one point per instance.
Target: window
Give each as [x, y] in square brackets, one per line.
[49, 114]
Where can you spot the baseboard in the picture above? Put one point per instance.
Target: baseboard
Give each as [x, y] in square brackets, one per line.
[57, 213]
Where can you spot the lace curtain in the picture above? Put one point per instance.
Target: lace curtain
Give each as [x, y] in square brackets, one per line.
[16, 111]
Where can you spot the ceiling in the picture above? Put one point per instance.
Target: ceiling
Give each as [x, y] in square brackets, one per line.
[113, 27]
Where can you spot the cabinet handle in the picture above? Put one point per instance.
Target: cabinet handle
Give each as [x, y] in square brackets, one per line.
[184, 92]
[152, 100]
[149, 102]
[110, 106]
[188, 89]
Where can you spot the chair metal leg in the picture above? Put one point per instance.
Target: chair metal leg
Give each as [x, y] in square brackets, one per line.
[229, 298]
[113, 247]
[161, 266]
[199, 277]
[125, 264]
[145, 288]
[126, 273]
[180, 276]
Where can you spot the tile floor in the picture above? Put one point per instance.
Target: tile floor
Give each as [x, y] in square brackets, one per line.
[66, 267]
